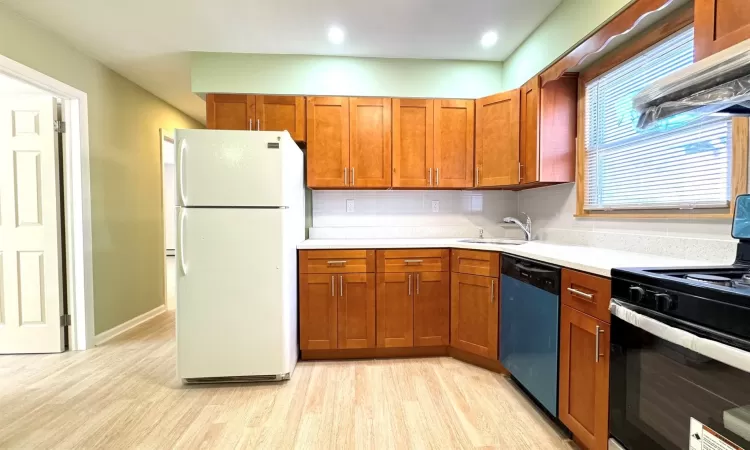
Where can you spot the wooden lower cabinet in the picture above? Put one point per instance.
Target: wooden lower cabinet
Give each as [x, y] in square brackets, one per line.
[584, 377]
[475, 314]
[413, 309]
[318, 300]
[356, 310]
[432, 309]
[395, 310]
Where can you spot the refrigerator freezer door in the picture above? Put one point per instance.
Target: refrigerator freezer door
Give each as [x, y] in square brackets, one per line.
[218, 168]
[236, 293]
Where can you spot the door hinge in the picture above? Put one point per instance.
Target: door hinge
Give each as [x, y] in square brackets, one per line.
[65, 320]
[59, 126]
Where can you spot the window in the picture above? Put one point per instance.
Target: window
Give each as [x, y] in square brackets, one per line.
[674, 166]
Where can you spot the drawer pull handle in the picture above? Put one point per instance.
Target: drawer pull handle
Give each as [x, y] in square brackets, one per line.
[581, 294]
[336, 263]
[412, 261]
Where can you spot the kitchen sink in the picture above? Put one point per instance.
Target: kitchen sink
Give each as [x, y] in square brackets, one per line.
[495, 241]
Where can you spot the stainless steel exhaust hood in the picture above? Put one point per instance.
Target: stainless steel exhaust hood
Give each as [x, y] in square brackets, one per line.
[718, 84]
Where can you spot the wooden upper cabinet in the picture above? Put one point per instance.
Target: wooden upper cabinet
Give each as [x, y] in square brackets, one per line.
[318, 299]
[356, 310]
[279, 113]
[529, 150]
[395, 309]
[327, 142]
[413, 145]
[475, 314]
[454, 143]
[498, 139]
[230, 111]
[584, 377]
[370, 142]
[431, 309]
[720, 24]
[548, 130]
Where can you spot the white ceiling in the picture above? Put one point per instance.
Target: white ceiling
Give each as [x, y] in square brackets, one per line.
[147, 40]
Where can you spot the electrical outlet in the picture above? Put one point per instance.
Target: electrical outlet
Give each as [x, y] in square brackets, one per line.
[350, 205]
[436, 206]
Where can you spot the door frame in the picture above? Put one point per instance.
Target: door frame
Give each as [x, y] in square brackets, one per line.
[76, 185]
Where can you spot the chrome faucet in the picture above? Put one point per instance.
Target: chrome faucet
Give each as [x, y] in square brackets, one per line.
[526, 229]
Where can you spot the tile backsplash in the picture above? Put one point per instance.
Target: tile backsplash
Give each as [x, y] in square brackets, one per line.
[411, 213]
[552, 208]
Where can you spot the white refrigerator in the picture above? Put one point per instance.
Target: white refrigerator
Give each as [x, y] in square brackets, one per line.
[241, 214]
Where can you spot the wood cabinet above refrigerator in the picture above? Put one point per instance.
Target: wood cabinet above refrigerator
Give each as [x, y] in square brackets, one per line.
[256, 113]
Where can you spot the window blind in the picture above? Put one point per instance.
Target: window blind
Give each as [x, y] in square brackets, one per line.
[678, 165]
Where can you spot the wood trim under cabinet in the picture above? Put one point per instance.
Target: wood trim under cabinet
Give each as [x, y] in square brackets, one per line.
[621, 24]
[369, 353]
[652, 36]
[493, 365]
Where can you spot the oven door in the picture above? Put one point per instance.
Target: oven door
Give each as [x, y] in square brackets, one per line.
[672, 387]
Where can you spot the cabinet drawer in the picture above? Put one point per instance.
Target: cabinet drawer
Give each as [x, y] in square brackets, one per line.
[586, 293]
[413, 260]
[336, 261]
[474, 262]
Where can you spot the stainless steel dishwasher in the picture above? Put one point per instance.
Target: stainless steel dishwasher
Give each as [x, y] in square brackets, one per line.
[530, 323]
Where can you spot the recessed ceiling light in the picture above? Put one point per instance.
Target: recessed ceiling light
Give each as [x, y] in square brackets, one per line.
[336, 35]
[489, 39]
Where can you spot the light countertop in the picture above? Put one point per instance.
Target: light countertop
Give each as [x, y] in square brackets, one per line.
[587, 259]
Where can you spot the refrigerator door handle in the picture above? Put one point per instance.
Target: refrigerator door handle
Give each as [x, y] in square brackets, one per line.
[181, 240]
[181, 149]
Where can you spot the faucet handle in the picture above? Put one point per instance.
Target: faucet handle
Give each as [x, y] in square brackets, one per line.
[528, 219]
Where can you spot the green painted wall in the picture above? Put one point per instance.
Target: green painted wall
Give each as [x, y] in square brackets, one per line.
[333, 75]
[124, 122]
[567, 25]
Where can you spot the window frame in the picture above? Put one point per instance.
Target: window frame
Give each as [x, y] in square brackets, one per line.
[740, 129]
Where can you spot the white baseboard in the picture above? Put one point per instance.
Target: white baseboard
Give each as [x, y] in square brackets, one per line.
[130, 324]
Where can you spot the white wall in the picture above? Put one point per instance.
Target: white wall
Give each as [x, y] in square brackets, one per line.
[341, 75]
[400, 214]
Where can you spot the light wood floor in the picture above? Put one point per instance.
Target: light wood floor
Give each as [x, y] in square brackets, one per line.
[125, 394]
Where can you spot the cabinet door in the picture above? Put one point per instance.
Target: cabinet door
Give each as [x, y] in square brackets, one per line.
[474, 314]
[279, 113]
[395, 309]
[529, 149]
[584, 377]
[431, 309]
[498, 139]
[720, 24]
[370, 140]
[327, 142]
[317, 311]
[356, 310]
[454, 143]
[230, 111]
[413, 147]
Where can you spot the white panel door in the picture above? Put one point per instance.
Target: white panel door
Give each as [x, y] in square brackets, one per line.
[233, 296]
[30, 269]
[230, 168]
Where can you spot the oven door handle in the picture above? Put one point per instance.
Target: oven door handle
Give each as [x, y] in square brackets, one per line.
[727, 354]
